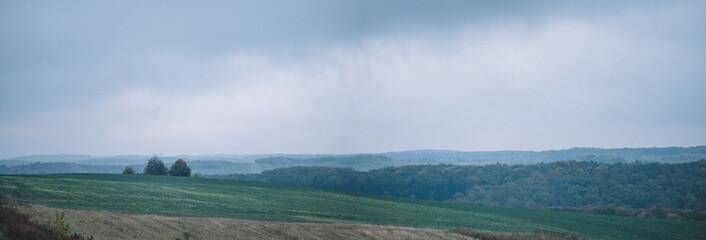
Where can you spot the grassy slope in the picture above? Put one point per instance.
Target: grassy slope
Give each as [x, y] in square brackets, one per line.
[107, 225]
[252, 200]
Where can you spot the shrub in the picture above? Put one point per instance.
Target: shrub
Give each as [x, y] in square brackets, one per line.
[155, 166]
[58, 227]
[128, 170]
[185, 236]
[179, 168]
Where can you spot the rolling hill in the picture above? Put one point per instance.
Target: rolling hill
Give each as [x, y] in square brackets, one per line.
[265, 201]
[220, 164]
[625, 189]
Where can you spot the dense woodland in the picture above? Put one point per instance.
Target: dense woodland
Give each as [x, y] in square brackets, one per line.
[633, 189]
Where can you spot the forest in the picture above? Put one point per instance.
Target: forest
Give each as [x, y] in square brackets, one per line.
[676, 191]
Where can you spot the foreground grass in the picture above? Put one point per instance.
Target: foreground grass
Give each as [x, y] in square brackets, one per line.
[109, 225]
[15, 225]
[252, 200]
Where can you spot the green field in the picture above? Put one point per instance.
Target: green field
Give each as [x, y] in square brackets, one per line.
[253, 200]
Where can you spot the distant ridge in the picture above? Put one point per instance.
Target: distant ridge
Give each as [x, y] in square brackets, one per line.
[51, 158]
[232, 163]
[664, 155]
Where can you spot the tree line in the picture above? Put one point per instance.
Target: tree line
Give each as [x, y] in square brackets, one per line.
[155, 166]
[631, 189]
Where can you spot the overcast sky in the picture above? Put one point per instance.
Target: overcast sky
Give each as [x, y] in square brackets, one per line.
[195, 77]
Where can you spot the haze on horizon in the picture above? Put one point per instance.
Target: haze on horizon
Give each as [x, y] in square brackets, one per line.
[185, 77]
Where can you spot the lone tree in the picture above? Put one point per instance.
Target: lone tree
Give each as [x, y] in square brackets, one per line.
[128, 170]
[180, 169]
[155, 166]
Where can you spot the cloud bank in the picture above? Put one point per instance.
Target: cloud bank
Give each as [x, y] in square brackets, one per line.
[628, 78]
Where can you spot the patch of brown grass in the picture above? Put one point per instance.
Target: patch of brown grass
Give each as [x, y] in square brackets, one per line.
[16, 225]
[537, 235]
[117, 225]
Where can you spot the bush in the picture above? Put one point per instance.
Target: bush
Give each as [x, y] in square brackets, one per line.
[128, 170]
[155, 166]
[58, 227]
[179, 168]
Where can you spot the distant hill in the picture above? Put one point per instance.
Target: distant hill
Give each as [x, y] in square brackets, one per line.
[58, 167]
[358, 162]
[220, 164]
[662, 155]
[220, 167]
[77, 159]
[51, 158]
[208, 167]
[115, 160]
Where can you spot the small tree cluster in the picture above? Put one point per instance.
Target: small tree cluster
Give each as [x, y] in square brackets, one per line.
[155, 166]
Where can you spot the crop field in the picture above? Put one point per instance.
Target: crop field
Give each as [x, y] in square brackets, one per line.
[263, 201]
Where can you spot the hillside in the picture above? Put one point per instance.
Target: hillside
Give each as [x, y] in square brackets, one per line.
[201, 167]
[631, 189]
[359, 162]
[58, 167]
[264, 201]
[102, 225]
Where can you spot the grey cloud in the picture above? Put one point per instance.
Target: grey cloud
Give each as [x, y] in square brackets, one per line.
[354, 76]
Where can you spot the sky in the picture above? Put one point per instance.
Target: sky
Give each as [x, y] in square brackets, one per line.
[247, 77]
